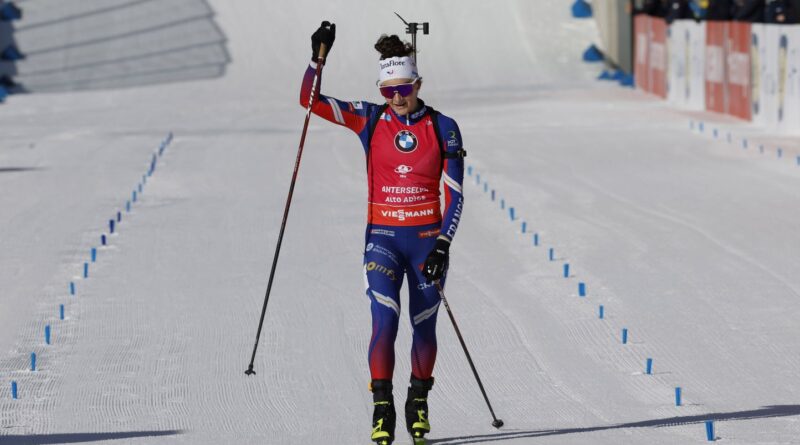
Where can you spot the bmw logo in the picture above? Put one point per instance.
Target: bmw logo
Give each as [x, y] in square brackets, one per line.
[405, 141]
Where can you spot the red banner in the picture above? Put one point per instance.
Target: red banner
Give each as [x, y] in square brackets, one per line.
[738, 69]
[658, 57]
[641, 26]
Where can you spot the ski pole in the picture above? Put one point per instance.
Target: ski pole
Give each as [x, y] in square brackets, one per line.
[497, 422]
[323, 50]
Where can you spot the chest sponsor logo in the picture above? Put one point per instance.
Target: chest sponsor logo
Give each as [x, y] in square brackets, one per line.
[405, 141]
[403, 170]
[402, 214]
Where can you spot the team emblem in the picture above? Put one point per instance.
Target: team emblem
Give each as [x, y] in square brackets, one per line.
[405, 141]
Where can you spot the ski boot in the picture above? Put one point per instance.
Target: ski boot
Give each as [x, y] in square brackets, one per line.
[417, 409]
[383, 417]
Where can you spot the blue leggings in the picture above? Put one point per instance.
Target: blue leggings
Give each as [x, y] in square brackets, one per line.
[391, 253]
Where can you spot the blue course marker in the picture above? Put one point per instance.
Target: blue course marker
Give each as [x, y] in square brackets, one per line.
[730, 138]
[47, 334]
[477, 179]
[485, 187]
[469, 170]
[581, 289]
[71, 288]
[678, 401]
[14, 393]
[798, 160]
[744, 143]
[691, 124]
[61, 311]
[133, 196]
[710, 431]
[128, 206]
[111, 223]
[524, 227]
[761, 149]
[780, 152]
[502, 204]
[103, 239]
[535, 239]
[624, 336]
[493, 193]
[566, 270]
[649, 366]
[119, 216]
[551, 254]
[602, 312]
[140, 188]
[702, 127]
[94, 254]
[33, 361]
[511, 213]
[716, 133]
[85, 270]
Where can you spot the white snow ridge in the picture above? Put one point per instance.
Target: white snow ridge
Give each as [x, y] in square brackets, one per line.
[689, 244]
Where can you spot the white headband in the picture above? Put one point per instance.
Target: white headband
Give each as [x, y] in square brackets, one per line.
[397, 68]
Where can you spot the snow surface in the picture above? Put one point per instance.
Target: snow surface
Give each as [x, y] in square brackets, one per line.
[688, 242]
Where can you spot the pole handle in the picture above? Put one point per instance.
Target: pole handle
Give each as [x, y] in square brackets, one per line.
[323, 52]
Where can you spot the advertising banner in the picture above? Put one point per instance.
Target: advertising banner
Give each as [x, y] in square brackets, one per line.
[715, 75]
[641, 32]
[657, 57]
[686, 77]
[737, 55]
[788, 79]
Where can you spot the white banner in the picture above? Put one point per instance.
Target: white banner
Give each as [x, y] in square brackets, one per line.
[788, 73]
[686, 83]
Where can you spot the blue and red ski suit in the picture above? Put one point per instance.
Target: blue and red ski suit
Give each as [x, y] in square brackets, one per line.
[405, 166]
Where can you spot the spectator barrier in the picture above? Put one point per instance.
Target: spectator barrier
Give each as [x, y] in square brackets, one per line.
[750, 71]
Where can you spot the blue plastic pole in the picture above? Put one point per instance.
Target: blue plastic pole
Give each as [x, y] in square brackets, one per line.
[469, 170]
[780, 152]
[493, 193]
[485, 187]
[710, 430]
[535, 239]
[702, 127]
[551, 254]
[566, 270]
[47, 334]
[581, 289]
[602, 312]
[61, 311]
[119, 216]
[72, 288]
[524, 227]
[798, 160]
[111, 226]
[477, 179]
[33, 361]
[14, 393]
[624, 336]
[761, 149]
[133, 196]
[94, 254]
[511, 213]
[649, 368]
[128, 206]
[678, 401]
[502, 204]
[85, 270]
[103, 239]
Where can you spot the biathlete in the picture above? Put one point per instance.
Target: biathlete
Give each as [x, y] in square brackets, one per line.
[410, 148]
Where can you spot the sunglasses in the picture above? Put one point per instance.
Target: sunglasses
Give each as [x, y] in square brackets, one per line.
[403, 89]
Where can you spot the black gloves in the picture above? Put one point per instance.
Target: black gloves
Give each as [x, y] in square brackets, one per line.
[436, 263]
[325, 34]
